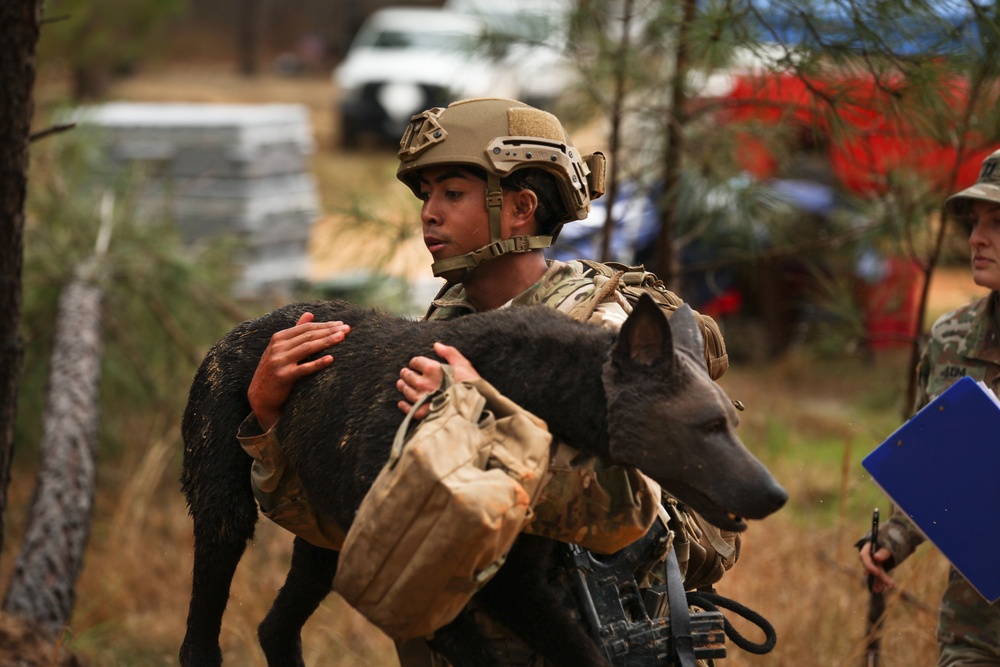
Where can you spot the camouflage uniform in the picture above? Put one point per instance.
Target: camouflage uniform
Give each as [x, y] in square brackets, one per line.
[964, 342]
[611, 507]
[562, 287]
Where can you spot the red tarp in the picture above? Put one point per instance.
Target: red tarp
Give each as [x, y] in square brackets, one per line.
[875, 141]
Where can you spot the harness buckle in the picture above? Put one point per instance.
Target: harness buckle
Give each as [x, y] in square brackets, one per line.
[494, 198]
[496, 249]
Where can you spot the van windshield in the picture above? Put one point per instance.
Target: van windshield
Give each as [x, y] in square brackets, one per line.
[402, 39]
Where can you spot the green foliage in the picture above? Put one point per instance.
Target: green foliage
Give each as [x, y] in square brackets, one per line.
[836, 325]
[164, 303]
[99, 38]
[924, 72]
[831, 414]
[903, 62]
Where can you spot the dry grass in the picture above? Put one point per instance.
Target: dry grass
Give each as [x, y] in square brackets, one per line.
[810, 421]
[798, 568]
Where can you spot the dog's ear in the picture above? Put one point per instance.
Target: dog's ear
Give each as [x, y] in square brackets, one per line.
[687, 331]
[645, 338]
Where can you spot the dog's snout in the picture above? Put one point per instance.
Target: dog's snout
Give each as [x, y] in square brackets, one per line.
[778, 496]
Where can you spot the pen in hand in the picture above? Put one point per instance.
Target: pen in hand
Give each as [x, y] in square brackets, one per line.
[874, 545]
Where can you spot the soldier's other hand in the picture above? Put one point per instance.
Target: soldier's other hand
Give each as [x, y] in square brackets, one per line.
[424, 375]
[282, 364]
[876, 566]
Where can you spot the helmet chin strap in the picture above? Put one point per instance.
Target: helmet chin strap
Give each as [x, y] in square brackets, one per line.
[496, 247]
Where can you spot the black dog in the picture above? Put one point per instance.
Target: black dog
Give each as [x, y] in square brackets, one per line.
[641, 397]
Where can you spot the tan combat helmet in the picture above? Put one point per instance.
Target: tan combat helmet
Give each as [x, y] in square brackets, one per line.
[987, 188]
[500, 136]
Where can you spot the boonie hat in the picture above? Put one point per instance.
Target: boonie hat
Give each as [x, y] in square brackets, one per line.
[987, 187]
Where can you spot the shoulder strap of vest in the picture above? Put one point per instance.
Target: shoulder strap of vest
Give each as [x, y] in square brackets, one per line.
[632, 282]
[605, 285]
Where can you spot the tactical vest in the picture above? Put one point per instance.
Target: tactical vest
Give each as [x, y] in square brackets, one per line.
[633, 281]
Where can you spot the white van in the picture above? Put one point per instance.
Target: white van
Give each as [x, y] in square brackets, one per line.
[405, 60]
[536, 34]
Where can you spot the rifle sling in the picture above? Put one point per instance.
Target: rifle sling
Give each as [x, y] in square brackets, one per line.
[680, 618]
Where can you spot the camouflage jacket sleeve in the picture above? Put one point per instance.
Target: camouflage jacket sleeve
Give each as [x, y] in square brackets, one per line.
[268, 458]
[899, 535]
[279, 491]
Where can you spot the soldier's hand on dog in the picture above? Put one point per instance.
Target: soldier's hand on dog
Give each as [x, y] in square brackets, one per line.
[876, 566]
[282, 364]
[424, 375]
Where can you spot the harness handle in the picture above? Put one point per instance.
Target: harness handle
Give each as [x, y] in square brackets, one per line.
[708, 602]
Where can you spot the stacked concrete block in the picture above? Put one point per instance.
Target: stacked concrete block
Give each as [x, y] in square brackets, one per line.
[223, 168]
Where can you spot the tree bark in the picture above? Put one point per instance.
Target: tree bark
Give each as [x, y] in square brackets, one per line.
[19, 27]
[42, 587]
[666, 263]
[617, 113]
[248, 38]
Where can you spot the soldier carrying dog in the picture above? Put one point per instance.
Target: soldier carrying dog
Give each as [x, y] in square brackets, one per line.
[497, 179]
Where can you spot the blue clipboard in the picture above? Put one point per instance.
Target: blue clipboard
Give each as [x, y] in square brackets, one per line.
[942, 468]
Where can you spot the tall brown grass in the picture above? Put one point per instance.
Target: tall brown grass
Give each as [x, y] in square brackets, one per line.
[798, 568]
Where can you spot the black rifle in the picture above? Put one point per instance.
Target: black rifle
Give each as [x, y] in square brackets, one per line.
[633, 624]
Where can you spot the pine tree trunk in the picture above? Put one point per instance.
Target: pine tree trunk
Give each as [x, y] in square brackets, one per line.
[19, 25]
[58, 525]
[248, 42]
[666, 263]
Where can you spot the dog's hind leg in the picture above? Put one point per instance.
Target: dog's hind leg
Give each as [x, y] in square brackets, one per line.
[309, 581]
[521, 598]
[463, 643]
[215, 479]
[219, 543]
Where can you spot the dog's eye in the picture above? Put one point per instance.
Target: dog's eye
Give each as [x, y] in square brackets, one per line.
[716, 425]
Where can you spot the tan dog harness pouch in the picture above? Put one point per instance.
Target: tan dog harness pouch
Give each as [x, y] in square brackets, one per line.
[445, 510]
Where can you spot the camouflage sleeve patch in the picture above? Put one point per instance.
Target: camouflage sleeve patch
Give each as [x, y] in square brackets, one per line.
[955, 349]
[952, 331]
[900, 536]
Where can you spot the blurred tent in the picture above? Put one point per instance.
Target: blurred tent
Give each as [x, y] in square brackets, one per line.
[781, 295]
[636, 226]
